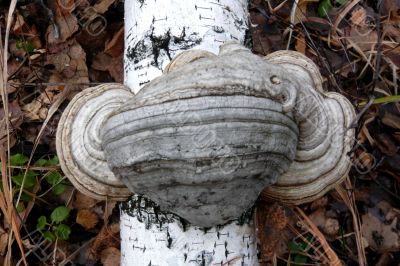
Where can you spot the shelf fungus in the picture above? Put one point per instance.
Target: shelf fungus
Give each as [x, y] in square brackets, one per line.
[207, 137]
[79, 146]
[199, 144]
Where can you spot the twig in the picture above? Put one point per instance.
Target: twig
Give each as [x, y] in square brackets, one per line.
[292, 17]
[349, 201]
[361, 113]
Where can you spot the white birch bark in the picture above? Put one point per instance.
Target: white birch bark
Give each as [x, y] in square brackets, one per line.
[150, 237]
[155, 32]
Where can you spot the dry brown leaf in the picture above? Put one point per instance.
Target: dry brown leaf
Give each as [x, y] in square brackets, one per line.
[390, 115]
[67, 6]
[107, 237]
[115, 47]
[390, 6]
[19, 24]
[15, 118]
[102, 62]
[102, 5]
[66, 23]
[111, 257]
[389, 30]
[365, 37]
[29, 33]
[380, 236]
[359, 17]
[87, 219]
[31, 110]
[116, 69]
[84, 202]
[329, 225]
[301, 10]
[301, 44]
[37, 109]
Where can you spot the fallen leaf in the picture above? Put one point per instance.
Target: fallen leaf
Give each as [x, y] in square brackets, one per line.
[84, 202]
[65, 25]
[390, 6]
[115, 47]
[111, 257]
[67, 6]
[103, 5]
[380, 236]
[15, 118]
[107, 237]
[116, 69]
[329, 225]
[19, 24]
[359, 17]
[301, 11]
[364, 37]
[38, 108]
[390, 115]
[87, 219]
[102, 62]
[301, 44]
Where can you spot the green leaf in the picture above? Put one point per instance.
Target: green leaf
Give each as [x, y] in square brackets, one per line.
[20, 207]
[62, 231]
[324, 8]
[25, 197]
[58, 189]
[41, 222]
[53, 161]
[341, 2]
[18, 159]
[300, 259]
[30, 179]
[53, 178]
[49, 236]
[296, 247]
[59, 214]
[40, 163]
[25, 45]
[387, 99]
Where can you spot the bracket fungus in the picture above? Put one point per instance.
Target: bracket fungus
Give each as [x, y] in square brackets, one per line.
[79, 146]
[203, 140]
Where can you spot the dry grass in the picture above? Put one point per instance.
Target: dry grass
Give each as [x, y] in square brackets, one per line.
[6, 195]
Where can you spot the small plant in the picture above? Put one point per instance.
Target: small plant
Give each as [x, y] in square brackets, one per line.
[33, 178]
[325, 6]
[55, 229]
[25, 45]
[299, 249]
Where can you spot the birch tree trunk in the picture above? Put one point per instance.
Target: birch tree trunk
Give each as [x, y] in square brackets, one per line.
[155, 32]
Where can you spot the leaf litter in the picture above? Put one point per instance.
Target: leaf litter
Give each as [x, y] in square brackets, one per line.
[54, 55]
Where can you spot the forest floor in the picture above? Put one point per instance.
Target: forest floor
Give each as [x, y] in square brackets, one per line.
[57, 48]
